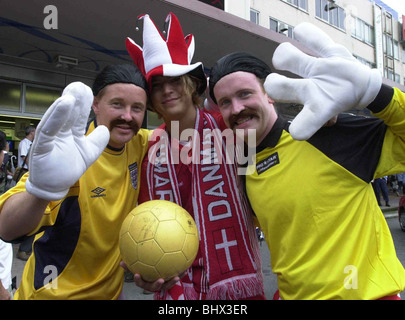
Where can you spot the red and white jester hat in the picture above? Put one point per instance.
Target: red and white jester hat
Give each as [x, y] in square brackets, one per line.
[165, 57]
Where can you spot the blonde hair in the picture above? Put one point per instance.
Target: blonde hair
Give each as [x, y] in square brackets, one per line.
[190, 85]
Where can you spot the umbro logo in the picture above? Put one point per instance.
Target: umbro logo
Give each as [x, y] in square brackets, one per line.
[98, 192]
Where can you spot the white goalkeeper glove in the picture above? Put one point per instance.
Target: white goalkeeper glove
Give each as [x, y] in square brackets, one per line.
[60, 152]
[332, 83]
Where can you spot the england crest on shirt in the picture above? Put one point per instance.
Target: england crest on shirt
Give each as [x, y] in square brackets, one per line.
[133, 173]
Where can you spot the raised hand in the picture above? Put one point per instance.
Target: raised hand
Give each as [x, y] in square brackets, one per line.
[60, 152]
[332, 83]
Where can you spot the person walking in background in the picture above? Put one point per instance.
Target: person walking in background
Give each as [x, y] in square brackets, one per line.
[25, 248]
[4, 172]
[6, 249]
[401, 184]
[393, 183]
[24, 147]
[381, 188]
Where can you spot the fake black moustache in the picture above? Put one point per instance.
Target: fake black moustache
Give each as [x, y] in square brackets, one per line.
[243, 114]
[117, 122]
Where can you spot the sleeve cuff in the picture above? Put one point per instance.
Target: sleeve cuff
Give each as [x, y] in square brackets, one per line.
[382, 100]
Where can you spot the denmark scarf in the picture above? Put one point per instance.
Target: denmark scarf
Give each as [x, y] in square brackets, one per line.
[228, 265]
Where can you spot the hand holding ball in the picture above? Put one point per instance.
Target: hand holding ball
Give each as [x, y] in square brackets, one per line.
[158, 239]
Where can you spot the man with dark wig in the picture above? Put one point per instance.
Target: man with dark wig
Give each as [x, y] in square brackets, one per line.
[79, 189]
[310, 184]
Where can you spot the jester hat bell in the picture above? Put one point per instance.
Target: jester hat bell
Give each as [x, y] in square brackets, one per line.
[166, 57]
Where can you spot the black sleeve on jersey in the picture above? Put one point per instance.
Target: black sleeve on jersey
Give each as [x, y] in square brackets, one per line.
[354, 142]
[382, 100]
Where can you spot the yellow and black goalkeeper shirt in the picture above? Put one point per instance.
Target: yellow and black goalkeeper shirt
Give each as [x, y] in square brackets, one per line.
[76, 253]
[327, 236]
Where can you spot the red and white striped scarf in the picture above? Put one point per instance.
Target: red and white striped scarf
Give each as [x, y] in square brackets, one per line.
[228, 264]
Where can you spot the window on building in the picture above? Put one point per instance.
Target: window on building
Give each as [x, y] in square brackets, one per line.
[331, 13]
[10, 96]
[363, 31]
[368, 34]
[273, 25]
[391, 75]
[254, 16]
[397, 78]
[388, 73]
[365, 62]
[302, 4]
[387, 23]
[39, 99]
[281, 27]
[396, 50]
[215, 3]
[388, 45]
[19, 98]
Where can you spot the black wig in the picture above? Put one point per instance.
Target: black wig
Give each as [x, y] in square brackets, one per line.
[237, 61]
[122, 73]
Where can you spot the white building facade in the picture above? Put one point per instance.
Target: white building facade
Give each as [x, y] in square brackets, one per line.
[43, 50]
[371, 30]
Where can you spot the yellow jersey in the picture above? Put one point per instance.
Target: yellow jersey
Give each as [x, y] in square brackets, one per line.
[75, 252]
[314, 200]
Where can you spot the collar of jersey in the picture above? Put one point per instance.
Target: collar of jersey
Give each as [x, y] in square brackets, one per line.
[272, 138]
[110, 148]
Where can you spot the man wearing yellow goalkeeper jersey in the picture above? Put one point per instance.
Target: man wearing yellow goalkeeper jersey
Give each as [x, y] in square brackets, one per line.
[311, 184]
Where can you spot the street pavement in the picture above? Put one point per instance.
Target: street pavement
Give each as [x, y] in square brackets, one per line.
[132, 292]
[399, 241]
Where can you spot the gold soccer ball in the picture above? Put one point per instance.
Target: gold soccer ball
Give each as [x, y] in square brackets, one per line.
[158, 239]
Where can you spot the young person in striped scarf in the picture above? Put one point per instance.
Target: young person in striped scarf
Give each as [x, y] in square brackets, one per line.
[181, 167]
